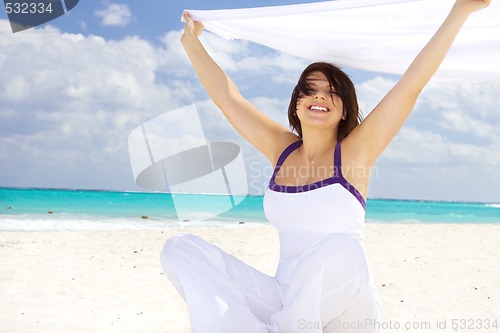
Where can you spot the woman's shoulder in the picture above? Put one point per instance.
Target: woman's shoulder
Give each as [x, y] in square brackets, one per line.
[282, 142]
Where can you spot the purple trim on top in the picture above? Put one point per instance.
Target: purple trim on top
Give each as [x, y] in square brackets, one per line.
[337, 178]
[288, 150]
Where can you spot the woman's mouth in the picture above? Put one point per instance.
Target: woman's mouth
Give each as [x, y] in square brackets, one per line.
[319, 108]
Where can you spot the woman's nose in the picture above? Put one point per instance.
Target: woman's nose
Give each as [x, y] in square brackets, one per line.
[319, 95]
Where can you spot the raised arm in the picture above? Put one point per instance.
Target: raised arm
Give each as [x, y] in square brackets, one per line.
[265, 134]
[382, 124]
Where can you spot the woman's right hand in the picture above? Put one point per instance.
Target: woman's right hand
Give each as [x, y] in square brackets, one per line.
[192, 27]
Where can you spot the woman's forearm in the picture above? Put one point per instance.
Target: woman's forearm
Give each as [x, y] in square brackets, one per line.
[217, 84]
[431, 56]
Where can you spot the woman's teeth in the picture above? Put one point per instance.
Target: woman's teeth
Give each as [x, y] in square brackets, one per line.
[319, 108]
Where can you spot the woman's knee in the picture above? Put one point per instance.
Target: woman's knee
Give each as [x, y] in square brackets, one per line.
[177, 243]
[174, 250]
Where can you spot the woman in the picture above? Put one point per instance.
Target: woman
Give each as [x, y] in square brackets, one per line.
[316, 199]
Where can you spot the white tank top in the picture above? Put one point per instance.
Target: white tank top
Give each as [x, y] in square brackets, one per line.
[302, 214]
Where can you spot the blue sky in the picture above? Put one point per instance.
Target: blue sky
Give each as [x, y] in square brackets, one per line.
[73, 89]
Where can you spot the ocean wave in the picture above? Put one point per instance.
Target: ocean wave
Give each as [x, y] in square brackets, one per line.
[110, 224]
[495, 205]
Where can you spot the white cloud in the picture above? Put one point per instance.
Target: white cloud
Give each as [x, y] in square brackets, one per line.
[16, 90]
[69, 101]
[444, 113]
[423, 148]
[466, 123]
[470, 110]
[371, 92]
[448, 149]
[114, 14]
[275, 108]
[174, 60]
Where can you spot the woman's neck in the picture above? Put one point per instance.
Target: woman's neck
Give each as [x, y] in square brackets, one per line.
[316, 143]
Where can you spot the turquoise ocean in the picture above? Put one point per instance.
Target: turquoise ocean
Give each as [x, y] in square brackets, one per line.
[63, 209]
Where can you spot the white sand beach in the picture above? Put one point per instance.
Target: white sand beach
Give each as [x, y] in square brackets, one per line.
[435, 278]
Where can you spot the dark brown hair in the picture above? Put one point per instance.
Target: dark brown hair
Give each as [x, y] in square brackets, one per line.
[343, 87]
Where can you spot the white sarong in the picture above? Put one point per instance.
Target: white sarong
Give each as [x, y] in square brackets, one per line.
[375, 35]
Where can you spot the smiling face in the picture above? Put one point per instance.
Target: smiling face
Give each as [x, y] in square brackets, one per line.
[319, 104]
[324, 96]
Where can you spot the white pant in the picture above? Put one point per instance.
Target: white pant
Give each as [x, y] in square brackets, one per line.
[331, 289]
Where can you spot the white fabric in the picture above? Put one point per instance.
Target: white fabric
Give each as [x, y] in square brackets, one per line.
[303, 218]
[332, 289]
[375, 35]
[323, 282]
